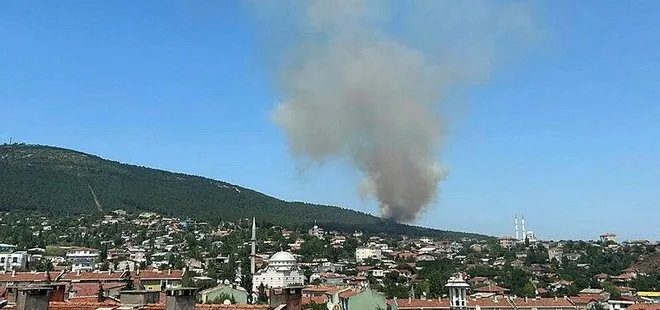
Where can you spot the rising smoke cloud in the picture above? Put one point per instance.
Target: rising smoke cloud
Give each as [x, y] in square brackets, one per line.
[367, 81]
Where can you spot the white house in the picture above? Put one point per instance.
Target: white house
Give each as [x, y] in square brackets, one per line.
[82, 259]
[138, 255]
[365, 253]
[14, 261]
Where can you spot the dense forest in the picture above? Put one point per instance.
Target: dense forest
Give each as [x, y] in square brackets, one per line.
[61, 181]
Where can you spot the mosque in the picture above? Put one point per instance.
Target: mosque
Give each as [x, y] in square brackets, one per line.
[282, 269]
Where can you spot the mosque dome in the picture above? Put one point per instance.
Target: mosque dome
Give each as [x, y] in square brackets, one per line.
[282, 257]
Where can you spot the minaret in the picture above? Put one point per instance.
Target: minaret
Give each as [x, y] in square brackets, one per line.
[253, 253]
[515, 225]
[524, 232]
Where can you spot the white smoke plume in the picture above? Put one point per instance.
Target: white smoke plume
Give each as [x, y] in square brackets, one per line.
[367, 81]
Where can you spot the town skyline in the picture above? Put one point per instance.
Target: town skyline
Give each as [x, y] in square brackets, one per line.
[563, 133]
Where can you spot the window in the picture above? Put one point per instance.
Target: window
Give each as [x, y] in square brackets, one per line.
[14, 260]
[2, 260]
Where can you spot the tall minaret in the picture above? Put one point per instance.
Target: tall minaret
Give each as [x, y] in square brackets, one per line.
[253, 253]
[524, 232]
[515, 225]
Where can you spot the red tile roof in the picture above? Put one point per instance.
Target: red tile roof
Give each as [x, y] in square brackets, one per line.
[498, 302]
[542, 303]
[492, 289]
[315, 299]
[335, 290]
[598, 297]
[93, 276]
[77, 306]
[421, 303]
[25, 276]
[644, 307]
[157, 275]
[212, 307]
[91, 289]
[602, 276]
[582, 300]
[96, 305]
[348, 294]
[93, 300]
[318, 289]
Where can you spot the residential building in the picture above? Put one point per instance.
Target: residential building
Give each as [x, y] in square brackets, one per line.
[362, 300]
[619, 304]
[555, 253]
[316, 232]
[7, 248]
[14, 261]
[494, 289]
[82, 259]
[607, 237]
[602, 277]
[14, 278]
[282, 271]
[159, 280]
[138, 255]
[239, 294]
[543, 303]
[507, 242]
[362, 254]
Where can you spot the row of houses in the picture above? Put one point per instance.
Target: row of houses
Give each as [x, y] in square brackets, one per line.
[80, 281]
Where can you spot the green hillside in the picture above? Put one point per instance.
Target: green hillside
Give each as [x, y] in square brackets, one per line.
[60, 181]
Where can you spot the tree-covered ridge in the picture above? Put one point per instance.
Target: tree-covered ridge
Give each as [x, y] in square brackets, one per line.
[62, 181]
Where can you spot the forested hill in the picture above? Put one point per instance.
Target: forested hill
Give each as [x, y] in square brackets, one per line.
[60, 181]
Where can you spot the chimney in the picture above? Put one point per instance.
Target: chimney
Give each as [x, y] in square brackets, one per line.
[180, 298]
[139, 298]
[13, 273]
[409, 300]
[294, 298]
[555, 298]
[33, 298]
[58, 292]
[169, 271]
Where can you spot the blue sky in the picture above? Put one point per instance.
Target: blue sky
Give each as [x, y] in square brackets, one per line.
[568, 133]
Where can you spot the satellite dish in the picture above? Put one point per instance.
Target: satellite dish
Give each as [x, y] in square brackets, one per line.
[226, 282]
[226, 302]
